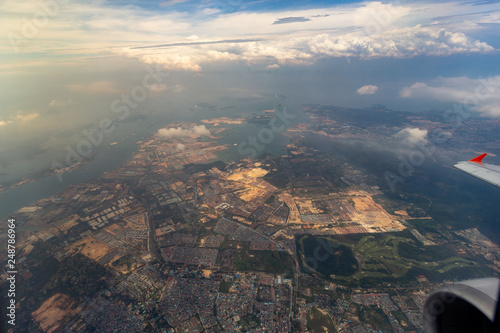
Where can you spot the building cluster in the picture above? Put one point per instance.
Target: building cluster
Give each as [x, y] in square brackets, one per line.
[171, 227]
[110, 317]
[387, 303]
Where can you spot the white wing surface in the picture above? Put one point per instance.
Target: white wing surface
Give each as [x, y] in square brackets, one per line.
[488, 172]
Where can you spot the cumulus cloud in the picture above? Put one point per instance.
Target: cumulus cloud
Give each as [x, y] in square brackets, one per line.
[399, 42]
[446, 135]
[180, 147]
[482, 95]
[339, 38]
[367, 90]
[182, 132]
[403, 42]
[201, 130]
[273, 66]
[412, 136]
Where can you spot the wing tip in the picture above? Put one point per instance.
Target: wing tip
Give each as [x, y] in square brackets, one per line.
[478, 159]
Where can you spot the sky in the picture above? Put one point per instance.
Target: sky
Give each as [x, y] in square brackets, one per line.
[68, 66]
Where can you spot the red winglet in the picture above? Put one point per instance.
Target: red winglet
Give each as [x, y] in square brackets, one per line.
[478, 159]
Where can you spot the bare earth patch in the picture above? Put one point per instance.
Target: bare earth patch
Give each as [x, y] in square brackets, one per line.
[91, 248]
[55, 312]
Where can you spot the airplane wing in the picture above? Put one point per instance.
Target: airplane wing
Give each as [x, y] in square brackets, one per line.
[488, 172]
[467, 306]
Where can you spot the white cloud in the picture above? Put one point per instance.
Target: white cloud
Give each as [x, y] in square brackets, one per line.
[399, 43]
[273, 66]
[176, 88]
[158, 88]
[180, 147]
[56, 103]
[60, 103]
[27, 117]
[3, 122]
[20, 118]
[367, 90]
[365, 30]
[182, 132]
[201, 130]
[412, 136]
[381, 32]
[483, 95]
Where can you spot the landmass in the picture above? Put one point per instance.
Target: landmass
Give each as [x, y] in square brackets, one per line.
[174, 240]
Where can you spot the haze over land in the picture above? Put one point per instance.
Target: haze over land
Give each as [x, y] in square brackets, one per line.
[64, 64]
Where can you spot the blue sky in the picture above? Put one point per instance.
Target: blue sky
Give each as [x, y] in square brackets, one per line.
[234, 5]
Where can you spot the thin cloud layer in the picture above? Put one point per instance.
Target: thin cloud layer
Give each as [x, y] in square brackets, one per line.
[286, 20]
[4, 122]
[20, 118]
[99, 87]
[482, 94]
